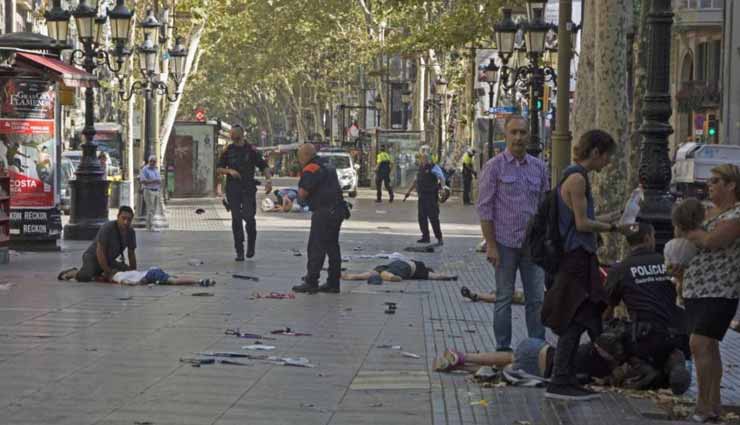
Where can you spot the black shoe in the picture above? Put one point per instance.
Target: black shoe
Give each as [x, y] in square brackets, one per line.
[439, 242]
[306, 288]
[239, 256]
[423, 240]
[679, 378]
[250, 251]
[570, 392]
[329, 288]
[391, 200]
[226, 205]
[467, 293]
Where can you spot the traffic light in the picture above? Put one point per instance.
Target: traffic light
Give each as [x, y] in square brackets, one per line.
[538, 104]
[712, 128]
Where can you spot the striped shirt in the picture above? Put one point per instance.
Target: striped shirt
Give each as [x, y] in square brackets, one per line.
[509, 192]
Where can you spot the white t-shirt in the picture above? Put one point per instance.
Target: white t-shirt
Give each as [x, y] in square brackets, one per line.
[131, 277]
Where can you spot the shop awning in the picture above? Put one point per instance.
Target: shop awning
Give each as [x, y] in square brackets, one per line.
[70, 75]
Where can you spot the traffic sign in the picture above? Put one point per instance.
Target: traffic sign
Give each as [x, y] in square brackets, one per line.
[699, 121]
[502, 110]
[200, 114]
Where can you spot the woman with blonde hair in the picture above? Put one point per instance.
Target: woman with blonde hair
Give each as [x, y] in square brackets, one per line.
[710, 286]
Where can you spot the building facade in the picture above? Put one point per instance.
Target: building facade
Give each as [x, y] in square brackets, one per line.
[696, 62]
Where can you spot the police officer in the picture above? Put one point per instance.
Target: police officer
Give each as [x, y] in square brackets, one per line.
[238, 163]
[429, 180]
[659, 334]
[319, 186]
[383, 174]
[468, 174]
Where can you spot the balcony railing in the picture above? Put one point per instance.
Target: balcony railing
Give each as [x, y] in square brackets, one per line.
[698, 4]
[696, 96]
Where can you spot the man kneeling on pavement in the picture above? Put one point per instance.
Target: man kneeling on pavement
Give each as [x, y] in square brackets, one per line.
[101, 257]
[650, 351]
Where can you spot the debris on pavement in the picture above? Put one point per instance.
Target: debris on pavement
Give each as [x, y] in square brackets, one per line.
[258, 347]
[239, 334]
[6, 286]
[392, 347]
[195, 262]
[390, 308]
[202, 294]
[197, 362]
[126, 298]
[296, 252]
[482, 403]
[289, 332]
[245, 277]
[427, 248]
[200, 211]
[291, 361]
[272, 296]
[410, 355]
[381, 212]
[486, 374]
[229, 354]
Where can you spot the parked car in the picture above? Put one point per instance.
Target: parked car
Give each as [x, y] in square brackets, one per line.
[346, 169]
[68, 173]
[74, 156]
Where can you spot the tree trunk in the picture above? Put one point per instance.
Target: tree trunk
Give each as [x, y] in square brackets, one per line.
[602, 74]
[169, 119]
[639, 78]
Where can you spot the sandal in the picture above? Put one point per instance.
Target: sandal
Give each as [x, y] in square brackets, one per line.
[466, 293]
[448, 361]
[67, 274]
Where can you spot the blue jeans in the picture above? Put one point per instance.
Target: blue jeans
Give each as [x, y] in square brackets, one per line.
[533, 280]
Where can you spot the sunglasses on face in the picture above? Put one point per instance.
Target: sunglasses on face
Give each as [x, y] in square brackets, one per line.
[714, 180]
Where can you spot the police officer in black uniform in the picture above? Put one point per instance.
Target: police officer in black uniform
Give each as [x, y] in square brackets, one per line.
[319, 186]
[429, 179]
[659, 334]
[238, 163]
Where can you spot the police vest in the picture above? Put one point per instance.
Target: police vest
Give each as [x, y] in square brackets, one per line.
[320, 180]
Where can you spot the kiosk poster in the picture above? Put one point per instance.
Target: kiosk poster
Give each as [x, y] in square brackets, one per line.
[27, 140]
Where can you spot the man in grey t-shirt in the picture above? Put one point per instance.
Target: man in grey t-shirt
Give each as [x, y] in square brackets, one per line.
[101, 257]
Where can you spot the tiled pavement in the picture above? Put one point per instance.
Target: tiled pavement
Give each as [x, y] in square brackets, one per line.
[98, 354]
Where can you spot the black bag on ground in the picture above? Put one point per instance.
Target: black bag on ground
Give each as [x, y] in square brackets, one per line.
[543, 242]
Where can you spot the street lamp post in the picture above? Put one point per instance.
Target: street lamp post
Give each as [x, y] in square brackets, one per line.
[655, 164]
[532, 76]
[89, 204]
[149, 85]
[491, 73]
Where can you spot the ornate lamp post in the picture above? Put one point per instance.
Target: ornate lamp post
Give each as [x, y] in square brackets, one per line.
[531, 76]
[150, 84]
[655, 165]
[89, 209]
[491, 74]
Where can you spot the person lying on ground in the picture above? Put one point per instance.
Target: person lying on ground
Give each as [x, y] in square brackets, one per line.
[534, 358]
[517, 298]
[286, 200]
[398, 269]
[659, 335]
[157, 276]
[101, 257]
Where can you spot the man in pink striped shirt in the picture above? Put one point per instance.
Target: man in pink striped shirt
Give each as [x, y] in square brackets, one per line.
[510, 188]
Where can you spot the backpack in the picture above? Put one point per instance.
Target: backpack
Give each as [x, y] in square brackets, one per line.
[543, 242]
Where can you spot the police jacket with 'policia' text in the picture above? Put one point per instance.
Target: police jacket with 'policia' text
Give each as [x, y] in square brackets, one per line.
[319, 179]
[642, 282]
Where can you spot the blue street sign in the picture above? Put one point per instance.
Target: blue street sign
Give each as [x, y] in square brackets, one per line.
[502, 110]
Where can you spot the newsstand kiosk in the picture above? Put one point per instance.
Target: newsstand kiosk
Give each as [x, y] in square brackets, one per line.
[30, 135]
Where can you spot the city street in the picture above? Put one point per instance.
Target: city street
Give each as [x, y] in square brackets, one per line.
[91, 353]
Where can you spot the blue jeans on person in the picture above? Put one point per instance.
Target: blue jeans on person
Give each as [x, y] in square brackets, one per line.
[533, 280]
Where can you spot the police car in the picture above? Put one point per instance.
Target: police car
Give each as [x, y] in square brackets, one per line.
[346, 169]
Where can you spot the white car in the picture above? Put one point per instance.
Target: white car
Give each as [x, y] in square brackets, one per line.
[346, 169]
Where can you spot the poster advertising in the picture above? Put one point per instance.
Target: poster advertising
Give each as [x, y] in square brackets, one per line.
[27, 138]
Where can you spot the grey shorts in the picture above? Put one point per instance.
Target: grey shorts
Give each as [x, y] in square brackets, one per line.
[527, 356]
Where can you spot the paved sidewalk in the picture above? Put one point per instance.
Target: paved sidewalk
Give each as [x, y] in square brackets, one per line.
[74, 353]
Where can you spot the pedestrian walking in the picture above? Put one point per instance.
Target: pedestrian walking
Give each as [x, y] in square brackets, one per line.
[575, 301]
[468, 175]
[429, 179]
[383, 174]
[151, 182]
[238, 163]
[319, 186]
[710, 288]
[510, 187]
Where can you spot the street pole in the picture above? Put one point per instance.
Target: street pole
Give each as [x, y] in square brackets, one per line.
[655, 164]
[562, 137]
[89, 200]
[439, 132]
[491, 85]
[148, 122]
[535, 91]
